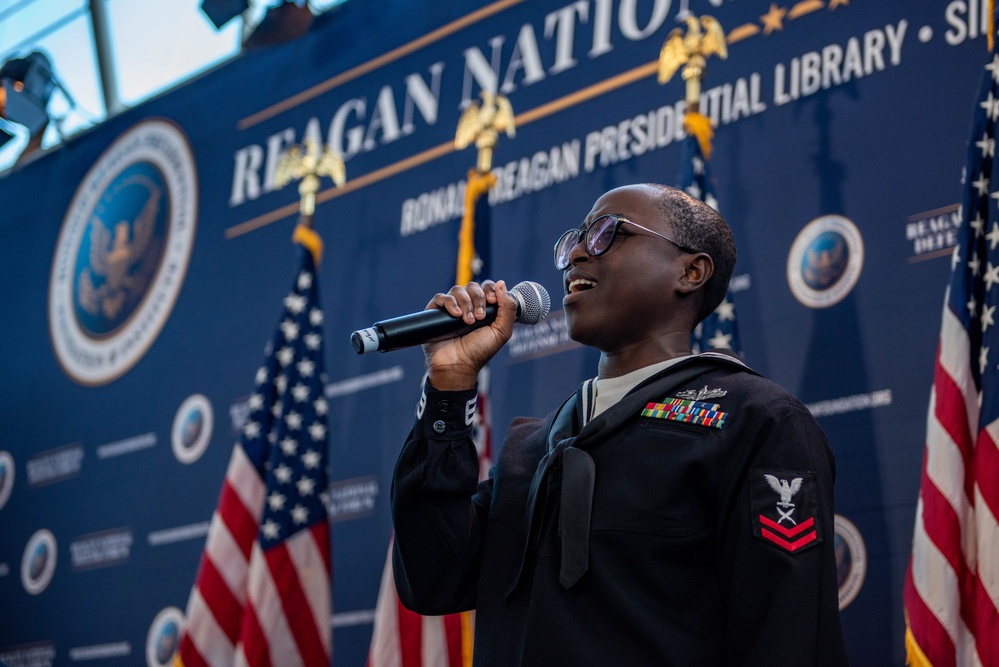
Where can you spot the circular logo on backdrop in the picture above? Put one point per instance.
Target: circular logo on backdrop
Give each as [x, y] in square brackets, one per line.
[851, 560]
[164, 637]
[122, 253]
[38, 562]
[6, 477]
[192, 429]
[825, 261]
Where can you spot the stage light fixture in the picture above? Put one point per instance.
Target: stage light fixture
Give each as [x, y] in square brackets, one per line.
[281, 23]
[220, 12]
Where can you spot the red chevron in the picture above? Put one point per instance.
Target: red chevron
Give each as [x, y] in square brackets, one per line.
[787, 532]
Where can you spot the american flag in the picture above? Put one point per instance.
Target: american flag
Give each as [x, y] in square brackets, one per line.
[718, 330]
[952, 585]
[262, 594]
[400, 637]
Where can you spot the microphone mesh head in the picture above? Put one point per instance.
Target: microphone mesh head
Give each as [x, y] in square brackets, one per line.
[533, 302]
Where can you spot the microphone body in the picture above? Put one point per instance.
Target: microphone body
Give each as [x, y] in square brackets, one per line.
[428, 326]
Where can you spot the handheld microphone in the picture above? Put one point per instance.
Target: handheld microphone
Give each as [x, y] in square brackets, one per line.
[428, 326]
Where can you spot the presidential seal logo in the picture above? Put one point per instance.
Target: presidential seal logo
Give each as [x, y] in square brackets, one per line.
[164, 637]
[38, 562]
[122, 253]
[6, 477]
[192, 428]
[825, 261]
[851, 560]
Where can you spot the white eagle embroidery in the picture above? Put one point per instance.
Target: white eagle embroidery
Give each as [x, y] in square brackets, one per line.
[784, 489]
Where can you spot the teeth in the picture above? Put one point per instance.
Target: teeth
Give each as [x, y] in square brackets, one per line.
[578, 283]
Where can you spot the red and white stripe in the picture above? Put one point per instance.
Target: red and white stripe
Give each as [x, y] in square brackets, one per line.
[403, 638]
[952, 586]
[254, 608]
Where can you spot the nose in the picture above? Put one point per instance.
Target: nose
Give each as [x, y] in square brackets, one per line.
[578, 252]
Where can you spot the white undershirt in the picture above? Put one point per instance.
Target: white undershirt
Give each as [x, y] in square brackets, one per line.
[598, 395]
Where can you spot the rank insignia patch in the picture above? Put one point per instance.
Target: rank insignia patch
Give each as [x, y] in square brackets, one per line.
[784, 508]
[688, 412]
[701, 394]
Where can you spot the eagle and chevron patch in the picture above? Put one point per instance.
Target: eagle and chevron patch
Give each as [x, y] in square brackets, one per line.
[784, 507]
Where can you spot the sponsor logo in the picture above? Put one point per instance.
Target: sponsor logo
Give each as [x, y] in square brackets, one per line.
[825, 261]
[101, 549]
[352, 498]
[122, 253]
[192, 428]
[39, 654]
[164, 637]
[54, 465]
[38, 562]
[851, 560]
[6, 477]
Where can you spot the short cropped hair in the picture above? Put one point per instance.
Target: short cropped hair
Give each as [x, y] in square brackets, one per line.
[697, 226]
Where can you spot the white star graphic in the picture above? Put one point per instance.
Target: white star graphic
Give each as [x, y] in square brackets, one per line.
[972, 307]
[983, 359]
[283, 474]
[698, 165]
[694, 191]
[252, 430]
[310, 459]
[304, 280]
[312, 341]
[306, 368]
[293, 420]
[317, 431]
[285, 355]
[994, 67]
[993, 236]
[294, 303]
[261, 375]
[991, 106]
[276, 501]
[974, 265]
[281, 383]
[255, 402]
[306, 486]
[720, 341]
[290, 330]
[270, 529]
[315, 317]
[977, 223]
[955, 257]
[300, 392]
[277, 408]
[982, 185]
[726, 311]
[299, 514]
[289, 445]
[321, 406]
[991, 276]
[987, 145]
[988, 317]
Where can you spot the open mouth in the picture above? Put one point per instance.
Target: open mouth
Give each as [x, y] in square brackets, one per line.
[577, 285]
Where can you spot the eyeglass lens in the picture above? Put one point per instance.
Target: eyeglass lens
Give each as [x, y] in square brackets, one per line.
[596, 239]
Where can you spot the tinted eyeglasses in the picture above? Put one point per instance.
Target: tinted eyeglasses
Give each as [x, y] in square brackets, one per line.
[597, 239]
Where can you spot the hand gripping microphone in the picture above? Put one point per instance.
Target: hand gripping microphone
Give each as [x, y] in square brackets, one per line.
[429, 326]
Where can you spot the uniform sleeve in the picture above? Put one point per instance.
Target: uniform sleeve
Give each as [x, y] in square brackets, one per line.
[777, 544]
[439, 508]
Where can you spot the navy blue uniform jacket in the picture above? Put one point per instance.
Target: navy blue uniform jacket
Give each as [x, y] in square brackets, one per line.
[707, 546]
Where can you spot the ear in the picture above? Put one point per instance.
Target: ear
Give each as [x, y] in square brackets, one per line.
[698, 269]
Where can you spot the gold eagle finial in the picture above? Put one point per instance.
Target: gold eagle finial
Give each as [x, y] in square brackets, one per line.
[691, 52]
[308, 166]
[482, 124]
